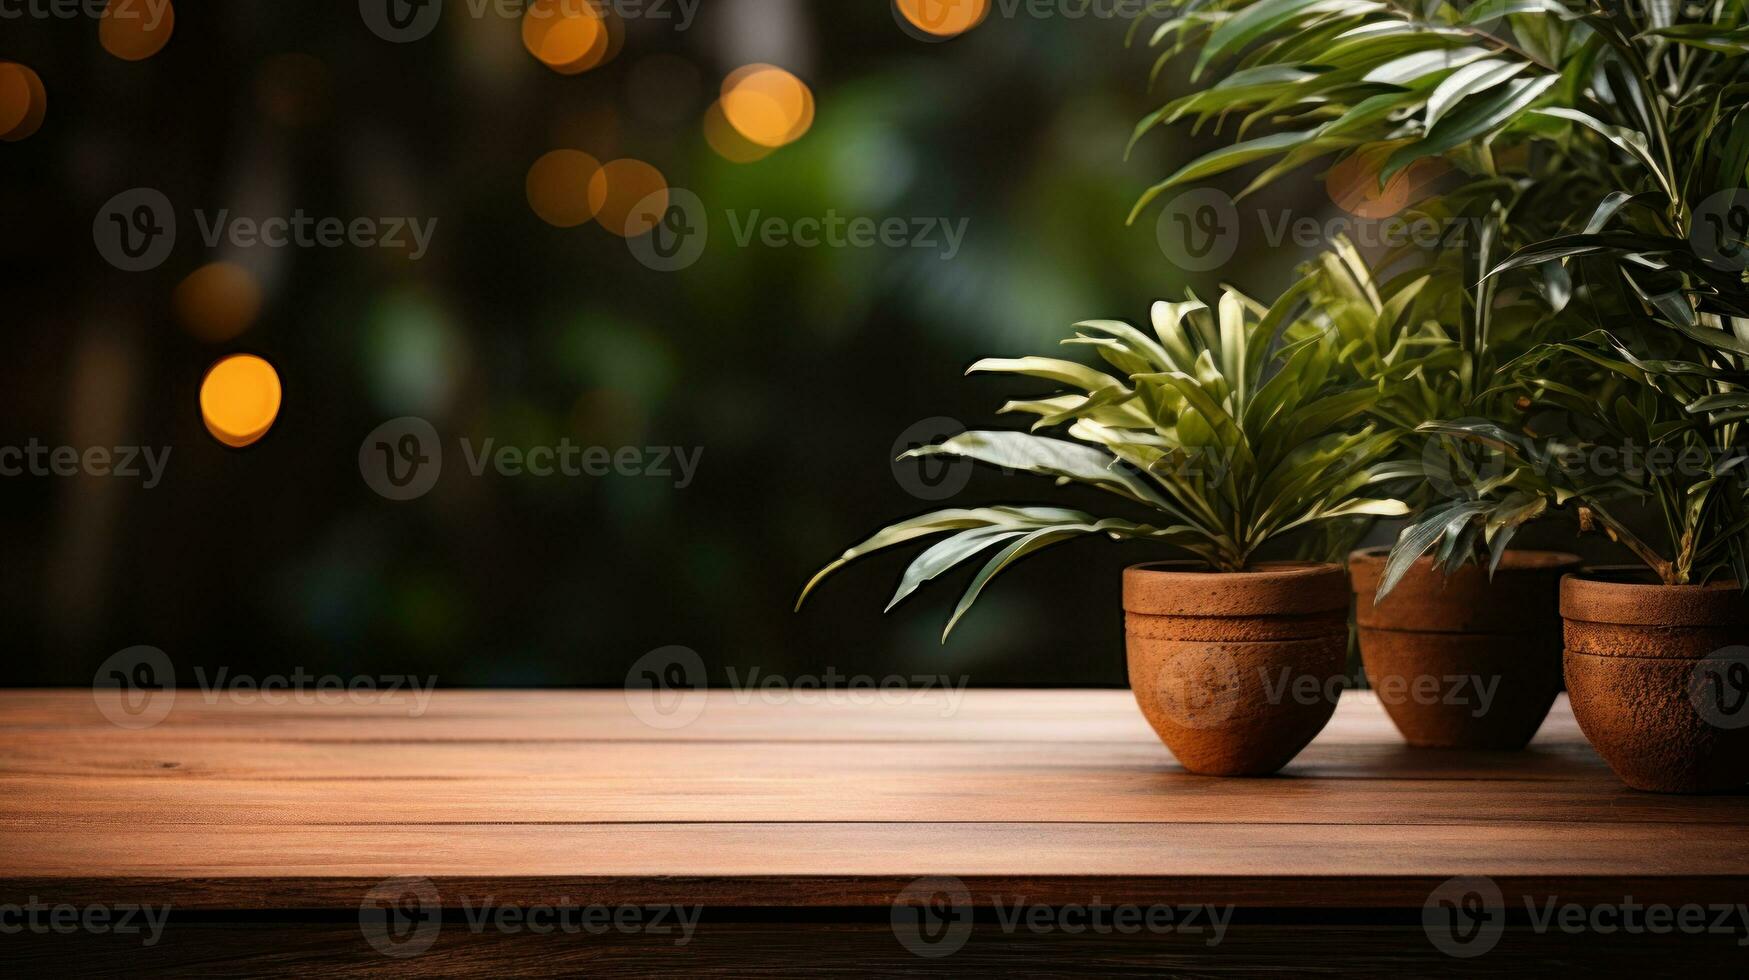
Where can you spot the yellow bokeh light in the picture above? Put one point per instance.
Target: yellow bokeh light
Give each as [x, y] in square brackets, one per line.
[558, 187]
[134, 30]
[767, 105]
[729, 144]
[804, 121]
[568, 36]
[616, 190]
[239, 399]
[23, 101]
[218, 301]
[739, 75]
[943, 18]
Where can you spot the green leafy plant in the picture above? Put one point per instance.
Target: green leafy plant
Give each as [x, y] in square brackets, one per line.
[1606, 146]
[1461, 333]
[1233, 426]
[1659, 431]
[1594, 87]
[1659, 377]
[1409, 320]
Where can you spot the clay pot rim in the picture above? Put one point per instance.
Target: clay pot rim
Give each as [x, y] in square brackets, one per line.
[1611, 577]
[1192, 566]
[1514, 560]
[1597, 594]
[1270, 589]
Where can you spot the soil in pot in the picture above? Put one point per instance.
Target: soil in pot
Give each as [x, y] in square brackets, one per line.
[1462, 661]
[1236, 671]
[1659, 678]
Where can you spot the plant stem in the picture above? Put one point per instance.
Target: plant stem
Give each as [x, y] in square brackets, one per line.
[1618, 532]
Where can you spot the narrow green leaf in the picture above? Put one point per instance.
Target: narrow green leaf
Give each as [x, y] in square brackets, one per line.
[1472, 120]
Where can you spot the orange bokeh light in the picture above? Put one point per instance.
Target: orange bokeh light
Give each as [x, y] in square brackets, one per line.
[943, 18]
[568, 36]
[1353, 184]
[729, 144]
[134, 30]
[239, 399]
[23, 101]
[767, 105]
[217, 301]
[618, 187]
[558, 187]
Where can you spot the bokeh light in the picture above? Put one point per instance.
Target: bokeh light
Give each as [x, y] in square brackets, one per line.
[217, 301]
[568, 36]
[727, 142]
[558, 187]
[618, 187]
[1353, 183]
[943, 18]
[414, 353]
[23, 101]
[767, 105]
[616, 33]
[239, 399]
[134, 30]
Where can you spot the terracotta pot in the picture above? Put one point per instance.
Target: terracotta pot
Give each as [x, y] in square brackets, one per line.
[1460, 661]
[1236, 671]
[1659, 678]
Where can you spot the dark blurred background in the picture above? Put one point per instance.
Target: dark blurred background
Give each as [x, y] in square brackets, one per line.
[794, 370]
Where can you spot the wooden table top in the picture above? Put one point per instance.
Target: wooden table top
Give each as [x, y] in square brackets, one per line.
[1054, 794]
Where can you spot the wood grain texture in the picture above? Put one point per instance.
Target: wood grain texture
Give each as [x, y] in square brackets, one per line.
[1057, 795]
[866, 949]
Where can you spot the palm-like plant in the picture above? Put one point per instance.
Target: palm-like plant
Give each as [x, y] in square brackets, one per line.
[1597, 88]
[1232, 425]
[1656, 428]
[1619, 136]
[1459, 333]
[1450, 339]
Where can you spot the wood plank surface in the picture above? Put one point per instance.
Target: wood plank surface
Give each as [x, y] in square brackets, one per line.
[806, 949]
[533, 796]
[811, 950]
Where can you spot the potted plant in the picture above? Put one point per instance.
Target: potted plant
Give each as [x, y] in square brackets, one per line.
[1231, 427]
[1462, 646]
[1626, 127]
[1458, 635]
[1655, 658]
